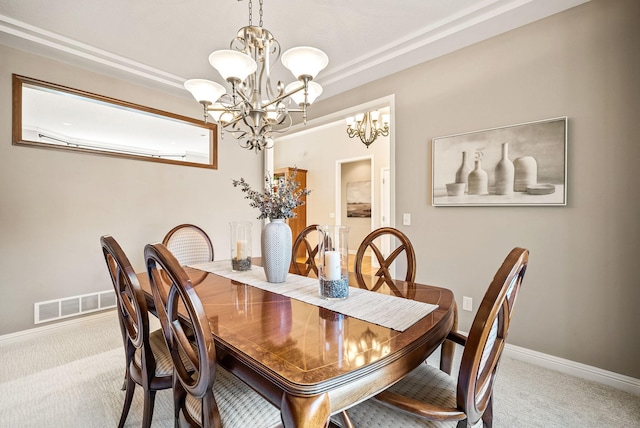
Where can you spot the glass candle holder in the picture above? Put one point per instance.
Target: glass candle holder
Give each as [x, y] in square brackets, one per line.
[240, 245]
[333, 262]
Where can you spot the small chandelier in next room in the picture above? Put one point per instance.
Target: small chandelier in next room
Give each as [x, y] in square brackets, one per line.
[368, 126]
[254, 109]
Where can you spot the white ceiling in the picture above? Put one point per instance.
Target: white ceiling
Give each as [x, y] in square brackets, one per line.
[163, 42]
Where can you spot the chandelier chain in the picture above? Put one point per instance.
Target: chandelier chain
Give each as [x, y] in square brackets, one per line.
[251, 12]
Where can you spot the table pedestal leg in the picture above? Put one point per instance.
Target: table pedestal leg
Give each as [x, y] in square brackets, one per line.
[307, 412]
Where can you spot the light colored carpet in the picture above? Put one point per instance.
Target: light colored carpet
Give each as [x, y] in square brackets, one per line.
[73, 379]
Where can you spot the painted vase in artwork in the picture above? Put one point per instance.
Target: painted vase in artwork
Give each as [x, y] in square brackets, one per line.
[526, 173]
[276, 250]
[478, 180]
[463, 171]
[504, 173]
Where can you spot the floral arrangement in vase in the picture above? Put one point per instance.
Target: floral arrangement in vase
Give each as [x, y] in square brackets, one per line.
[279, 198]
[276, 202]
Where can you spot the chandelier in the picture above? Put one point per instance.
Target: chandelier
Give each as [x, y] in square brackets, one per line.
[254, 110]
[368, 126]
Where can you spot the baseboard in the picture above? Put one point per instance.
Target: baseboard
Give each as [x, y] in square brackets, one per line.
[55, 327]
[616, 380]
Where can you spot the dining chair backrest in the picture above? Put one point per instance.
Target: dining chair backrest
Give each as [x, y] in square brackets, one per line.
[189, 244]
[305, 243]
[486, 339]
[383, 273]
[142, 367]
[196, 378]
[205, 395]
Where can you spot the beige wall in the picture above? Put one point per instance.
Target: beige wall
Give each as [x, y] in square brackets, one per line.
[55, 205]
[581, 293]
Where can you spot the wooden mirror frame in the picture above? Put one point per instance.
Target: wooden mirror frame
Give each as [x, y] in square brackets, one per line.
[17, 134]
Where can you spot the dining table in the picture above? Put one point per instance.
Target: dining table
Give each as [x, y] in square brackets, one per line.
[310, 359]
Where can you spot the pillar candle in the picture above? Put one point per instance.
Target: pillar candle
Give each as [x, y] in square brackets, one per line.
[241, 249]
[332, 265]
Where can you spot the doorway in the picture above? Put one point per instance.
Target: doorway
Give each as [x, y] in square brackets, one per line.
[355, 201]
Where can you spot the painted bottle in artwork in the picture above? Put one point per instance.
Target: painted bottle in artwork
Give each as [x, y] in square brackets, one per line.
[526, 173]
[463, 171]
[478, 180]
[504, 173]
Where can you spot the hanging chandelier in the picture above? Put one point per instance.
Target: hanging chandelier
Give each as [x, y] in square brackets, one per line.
[368, 126]
[254, 110]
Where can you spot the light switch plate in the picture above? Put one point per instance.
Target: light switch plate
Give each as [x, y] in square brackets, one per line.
[406, 219]
[467, 303]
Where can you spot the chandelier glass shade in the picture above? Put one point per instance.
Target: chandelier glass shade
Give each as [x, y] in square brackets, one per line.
[368, 126]
[254, 109]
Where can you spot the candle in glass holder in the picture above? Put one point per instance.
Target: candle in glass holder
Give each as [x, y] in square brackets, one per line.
[240, 244]
[332, 260]
[333, 269]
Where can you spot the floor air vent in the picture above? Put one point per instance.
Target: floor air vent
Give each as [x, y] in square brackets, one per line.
[52, 310]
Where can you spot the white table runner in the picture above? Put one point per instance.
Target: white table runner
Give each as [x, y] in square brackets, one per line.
[385, 310]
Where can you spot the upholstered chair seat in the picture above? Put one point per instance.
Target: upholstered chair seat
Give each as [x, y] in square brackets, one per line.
[426, 383]
[239, 405]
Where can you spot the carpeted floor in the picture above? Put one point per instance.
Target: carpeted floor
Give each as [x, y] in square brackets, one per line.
[73, 379]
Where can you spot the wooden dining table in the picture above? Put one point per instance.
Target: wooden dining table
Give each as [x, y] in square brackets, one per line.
[309, 361]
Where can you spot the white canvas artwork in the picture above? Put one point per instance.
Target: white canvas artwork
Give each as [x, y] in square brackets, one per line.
[524, 164]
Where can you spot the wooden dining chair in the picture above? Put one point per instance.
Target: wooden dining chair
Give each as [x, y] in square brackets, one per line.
[148, 362]
[310, 249]
[189, 244]
[383, 273]
[205, 395]
[430, 397]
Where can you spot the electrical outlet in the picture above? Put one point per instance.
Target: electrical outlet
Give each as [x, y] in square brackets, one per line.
[406, 219]
[467, 303]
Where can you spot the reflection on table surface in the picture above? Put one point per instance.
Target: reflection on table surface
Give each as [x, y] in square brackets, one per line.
[284, 347]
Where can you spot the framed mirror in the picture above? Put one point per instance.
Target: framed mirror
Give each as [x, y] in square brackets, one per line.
[52, 116]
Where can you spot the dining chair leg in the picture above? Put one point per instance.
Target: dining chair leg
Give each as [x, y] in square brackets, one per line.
[149, 399]
[487, 416]
[128, 398]
[346, 420]
[178, 398]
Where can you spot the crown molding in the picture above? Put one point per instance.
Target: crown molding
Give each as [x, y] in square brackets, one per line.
[43, 41]
[482, 20]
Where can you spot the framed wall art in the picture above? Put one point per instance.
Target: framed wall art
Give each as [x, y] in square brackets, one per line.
[359, 199]
[524, 164]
